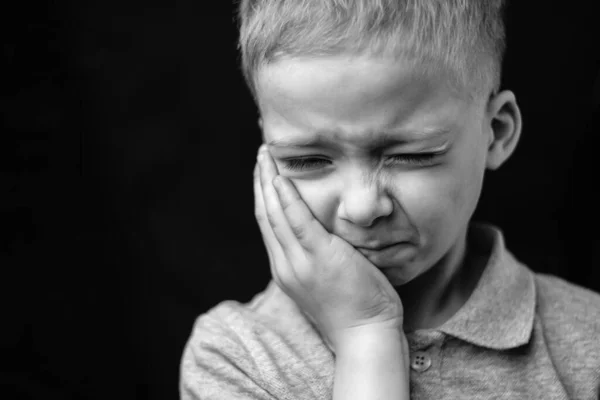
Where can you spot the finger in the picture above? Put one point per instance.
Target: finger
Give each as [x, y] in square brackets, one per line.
[279, 265]
[275, 215]
[260, 214]
[309, 232]
[275, 252]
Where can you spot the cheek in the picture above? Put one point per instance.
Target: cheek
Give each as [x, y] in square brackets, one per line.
[437, 203]
[425, 195]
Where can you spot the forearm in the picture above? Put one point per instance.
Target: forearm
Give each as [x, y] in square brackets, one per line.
[372, 365]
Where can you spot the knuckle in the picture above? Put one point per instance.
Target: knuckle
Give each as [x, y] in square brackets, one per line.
[287, 206]
[272, 221]
[260, 217]
[299, 230]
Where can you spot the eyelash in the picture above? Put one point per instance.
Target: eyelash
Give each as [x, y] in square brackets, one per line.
[300, 164]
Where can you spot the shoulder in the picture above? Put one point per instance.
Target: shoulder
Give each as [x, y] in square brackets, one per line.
[564, 304]
[264, 346]
[569, 320]
[217, 361]
[270, 318]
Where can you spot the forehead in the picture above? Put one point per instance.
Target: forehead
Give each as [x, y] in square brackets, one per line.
[320, 81]
[356, 95]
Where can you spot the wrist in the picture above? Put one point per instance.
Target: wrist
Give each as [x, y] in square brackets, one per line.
[371, 338]
[370, 335]
[372, 363]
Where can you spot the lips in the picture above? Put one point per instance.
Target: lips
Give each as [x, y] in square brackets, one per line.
[389, 256]
[376, 248]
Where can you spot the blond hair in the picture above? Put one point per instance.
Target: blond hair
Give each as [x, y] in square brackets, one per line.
[463, 37]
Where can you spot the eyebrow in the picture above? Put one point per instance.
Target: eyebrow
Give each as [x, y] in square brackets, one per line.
[381, 141]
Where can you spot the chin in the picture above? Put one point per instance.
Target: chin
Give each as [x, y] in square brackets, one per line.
[396, 276]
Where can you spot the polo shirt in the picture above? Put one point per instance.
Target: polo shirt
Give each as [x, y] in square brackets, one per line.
[520, 335]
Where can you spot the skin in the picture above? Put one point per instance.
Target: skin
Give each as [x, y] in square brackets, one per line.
[361, 194]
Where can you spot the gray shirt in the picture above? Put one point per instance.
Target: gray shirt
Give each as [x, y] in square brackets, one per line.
[520, 335]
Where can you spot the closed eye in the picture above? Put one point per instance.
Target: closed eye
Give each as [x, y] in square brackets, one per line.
[312, 163]
[301, 164]
[416, 159]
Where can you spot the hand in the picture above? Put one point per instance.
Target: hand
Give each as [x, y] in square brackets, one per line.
[333, 283]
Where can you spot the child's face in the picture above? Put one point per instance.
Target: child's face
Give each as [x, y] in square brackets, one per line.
[370, 195]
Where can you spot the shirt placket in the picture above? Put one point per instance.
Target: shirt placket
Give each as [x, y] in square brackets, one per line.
[424, 363]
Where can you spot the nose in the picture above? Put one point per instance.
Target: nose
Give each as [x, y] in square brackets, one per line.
[364, 200]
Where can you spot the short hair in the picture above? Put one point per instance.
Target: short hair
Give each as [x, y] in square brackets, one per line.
[463, 37]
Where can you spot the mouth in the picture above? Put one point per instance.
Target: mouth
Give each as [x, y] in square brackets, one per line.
[390, 255]
[375, 249]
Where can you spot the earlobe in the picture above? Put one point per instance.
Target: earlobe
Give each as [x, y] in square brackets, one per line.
[505, 122]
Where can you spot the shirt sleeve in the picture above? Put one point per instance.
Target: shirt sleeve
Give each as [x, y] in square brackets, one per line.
[217, 365]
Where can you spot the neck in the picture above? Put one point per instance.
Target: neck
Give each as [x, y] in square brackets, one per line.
[434, 297]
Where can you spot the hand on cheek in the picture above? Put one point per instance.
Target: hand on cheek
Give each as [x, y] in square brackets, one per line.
[330, 281]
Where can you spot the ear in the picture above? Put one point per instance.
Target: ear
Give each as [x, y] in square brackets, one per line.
[504, 124]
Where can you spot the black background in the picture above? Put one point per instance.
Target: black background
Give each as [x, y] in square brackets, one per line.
[127, 151]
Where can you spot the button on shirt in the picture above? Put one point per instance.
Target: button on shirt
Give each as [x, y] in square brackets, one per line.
[420, 361]
[520, 335]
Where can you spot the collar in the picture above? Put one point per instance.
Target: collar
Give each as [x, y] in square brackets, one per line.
[499, 314]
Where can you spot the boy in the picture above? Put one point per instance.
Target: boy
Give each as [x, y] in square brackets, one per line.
[379, 119]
